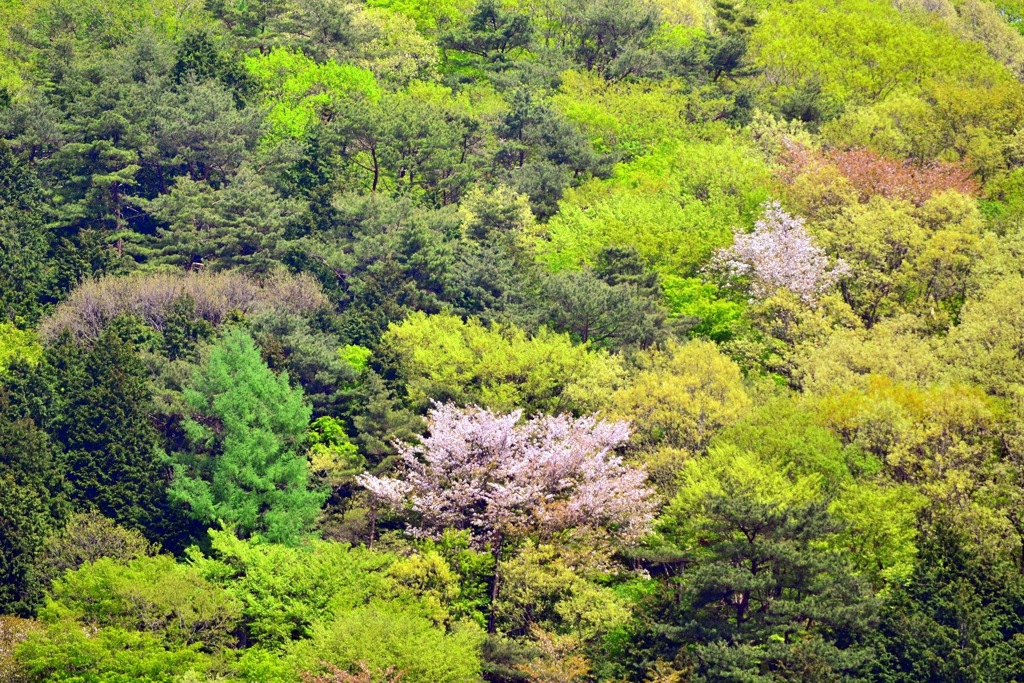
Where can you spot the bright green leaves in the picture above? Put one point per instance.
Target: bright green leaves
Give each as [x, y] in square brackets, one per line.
[285, 590]
[328, 602]
[499, 367]
[429, 15]
[245, 428]
[302, 92]
[715, 316]
[331, 454]
[385, 634]
[632, 118]
[879, 530]
[173, 601]
[17, 345]
[674, 207]
[355, 356]
[781, 457]
[862, 51]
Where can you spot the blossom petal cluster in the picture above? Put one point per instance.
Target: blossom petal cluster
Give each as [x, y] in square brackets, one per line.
[500, 476]
[779, 254]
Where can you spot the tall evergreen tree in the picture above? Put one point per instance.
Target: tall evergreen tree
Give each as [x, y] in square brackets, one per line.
[23, 238]
[100, 414]
[959, 618]
[247, 423]
[32, 501]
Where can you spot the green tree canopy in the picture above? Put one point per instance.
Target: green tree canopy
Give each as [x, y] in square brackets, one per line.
[244, 469]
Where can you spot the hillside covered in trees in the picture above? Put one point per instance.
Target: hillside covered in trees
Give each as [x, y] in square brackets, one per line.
[517, 341]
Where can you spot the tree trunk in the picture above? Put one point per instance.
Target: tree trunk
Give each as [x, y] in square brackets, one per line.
[495, 584]
[373, 523]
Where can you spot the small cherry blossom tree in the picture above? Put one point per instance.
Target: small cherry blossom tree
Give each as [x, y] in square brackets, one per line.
[503, 478]
[779, 254]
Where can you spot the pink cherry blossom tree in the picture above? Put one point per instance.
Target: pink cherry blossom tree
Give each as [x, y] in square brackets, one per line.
[503, 478]
[779, 254]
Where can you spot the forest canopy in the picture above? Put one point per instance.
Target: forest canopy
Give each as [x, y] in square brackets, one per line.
[517, 341]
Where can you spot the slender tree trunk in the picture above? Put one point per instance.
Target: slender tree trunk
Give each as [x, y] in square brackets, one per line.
[492, 618]
[373, 523]
[376, 168]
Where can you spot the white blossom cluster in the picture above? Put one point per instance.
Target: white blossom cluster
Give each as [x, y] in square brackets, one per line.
[779, 254]
[500, 478]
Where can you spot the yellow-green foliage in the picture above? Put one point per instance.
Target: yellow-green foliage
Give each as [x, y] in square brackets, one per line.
[839, 478]
[950, 120]
[987, 348]
[937, 439]
[910, 86]
[674, 207]
[396, 52]
[391, 634]
[500, 209]
[499, 367]
[300, 90]
[681, 396]
[905, 258]
[543, 586]
[631, 117]
[697, 13]
[879, 529]
[158, 594]
[729, 468]
[878, 523]
[717, 317]
[429, 15]
[897, 348]
[976, 20]
[862, 51]
[16, 344]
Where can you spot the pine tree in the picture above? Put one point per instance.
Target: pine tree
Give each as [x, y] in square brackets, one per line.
[765, 593]
[245, 470]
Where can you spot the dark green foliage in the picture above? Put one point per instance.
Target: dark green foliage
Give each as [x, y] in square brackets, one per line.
[32, 503]
[311, 358]
[382, 420]
[201, 131]
[766, 597]
[24, 239]
[385, 259]
[496, 280]
[607, 35]
[405, 145]
[542, 153]
[77, 256]
[240, 224]
[957, 619]
[103, 450]
[98, 409]
[726, 50]
[610, 316]
[184, 330]
[492, 33]
[197, 58]
[247, 19]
